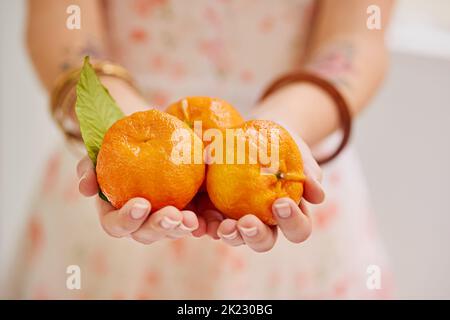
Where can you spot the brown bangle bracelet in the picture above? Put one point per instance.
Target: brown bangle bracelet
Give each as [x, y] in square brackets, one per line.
[341, 104]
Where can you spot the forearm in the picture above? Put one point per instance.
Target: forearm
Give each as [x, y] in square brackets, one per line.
[355, 67]
[55, 49]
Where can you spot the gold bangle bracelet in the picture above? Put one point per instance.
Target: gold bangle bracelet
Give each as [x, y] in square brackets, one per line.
[63, 96]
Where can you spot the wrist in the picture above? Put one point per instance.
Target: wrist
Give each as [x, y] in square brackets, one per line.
[305, 108]
[127, 97]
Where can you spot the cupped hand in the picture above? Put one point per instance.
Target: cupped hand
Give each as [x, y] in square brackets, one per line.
[293, 220]
[133, 219]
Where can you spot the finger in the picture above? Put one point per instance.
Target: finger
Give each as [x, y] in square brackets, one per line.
[88, 184]
[213, 219]
[229, 233]
[103, 207]
[84, 165]
[201, 230]
[158, 225]
[309, 161]
[212, 216]
[312, 169]
[293, 222]
[123, 222]
[256, 234]
[188, 224]
[314, 192]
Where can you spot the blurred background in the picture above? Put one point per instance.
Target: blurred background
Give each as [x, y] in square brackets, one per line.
[403, 141]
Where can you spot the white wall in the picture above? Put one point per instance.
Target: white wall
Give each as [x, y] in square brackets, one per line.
[404, 146]
[403, 140]
[26, 131]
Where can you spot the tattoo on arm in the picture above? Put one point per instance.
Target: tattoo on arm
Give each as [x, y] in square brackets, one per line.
[74, 56]
[335, 63]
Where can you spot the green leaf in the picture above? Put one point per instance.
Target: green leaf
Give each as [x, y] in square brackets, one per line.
[102, 196]
[95, 108]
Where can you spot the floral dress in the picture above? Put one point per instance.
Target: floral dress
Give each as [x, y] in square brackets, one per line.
[229, 49]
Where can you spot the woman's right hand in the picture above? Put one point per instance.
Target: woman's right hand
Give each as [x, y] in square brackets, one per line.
[133, 219]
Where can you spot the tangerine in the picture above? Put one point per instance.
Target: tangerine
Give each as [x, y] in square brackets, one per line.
[135, 161]
[213, 113]
[237, 189]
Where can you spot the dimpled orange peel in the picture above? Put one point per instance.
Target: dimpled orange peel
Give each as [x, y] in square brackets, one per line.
[238, 189]
[212, 112]
[135, 161]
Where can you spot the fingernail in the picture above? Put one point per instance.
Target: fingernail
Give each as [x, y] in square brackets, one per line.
[249, 232]
[139, 210]
[168, 223]
[319, 185]
[283, 210]
[317, 182]
[305, 208]
[83, 177]
[185, 228]
[230, 236]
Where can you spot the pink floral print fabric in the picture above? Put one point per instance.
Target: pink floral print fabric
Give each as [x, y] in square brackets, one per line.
[229, 49]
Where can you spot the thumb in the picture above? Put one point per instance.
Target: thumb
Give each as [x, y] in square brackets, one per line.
[88, 179]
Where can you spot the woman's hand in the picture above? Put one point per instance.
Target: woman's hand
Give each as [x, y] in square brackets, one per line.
[293, 220]
[133, 219]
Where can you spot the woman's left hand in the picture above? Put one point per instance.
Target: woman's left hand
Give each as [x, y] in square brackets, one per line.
[293, 220]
